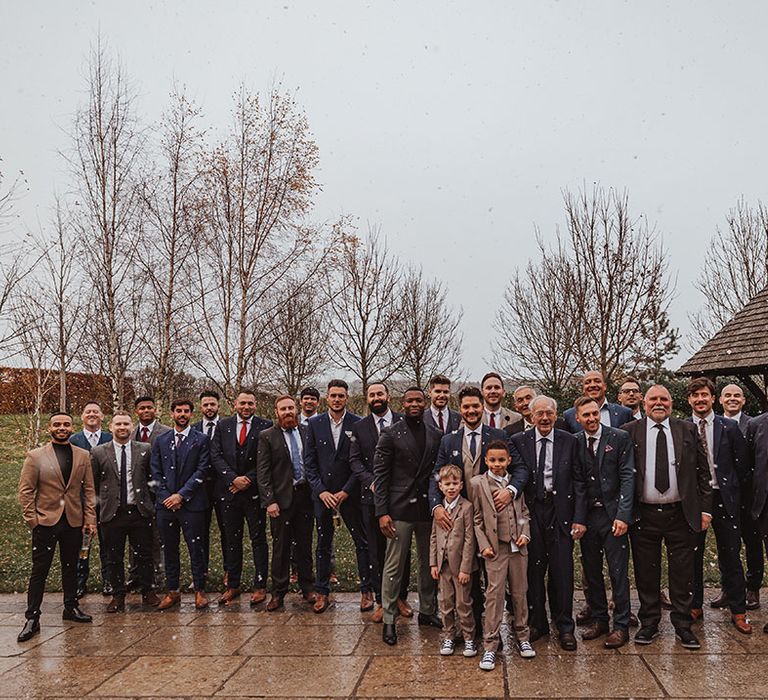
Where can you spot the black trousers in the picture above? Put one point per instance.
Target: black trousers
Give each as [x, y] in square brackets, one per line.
[550, 570]
[753, 544]
[245, 508]
[377, 546]
[44, 541]
[128, 524]
[216, 505]
[84, 565]
[728, 540]
[599, 540]
[293, 526]
[657, 525]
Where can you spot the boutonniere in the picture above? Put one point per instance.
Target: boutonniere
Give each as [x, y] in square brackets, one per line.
[348, 433]
[455, 453]
[608, 448]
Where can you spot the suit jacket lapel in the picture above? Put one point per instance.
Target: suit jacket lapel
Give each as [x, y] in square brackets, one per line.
[676, 429]
[717, 434]
[600, 450]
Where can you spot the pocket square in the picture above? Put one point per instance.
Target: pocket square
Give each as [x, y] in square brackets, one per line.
[608, 448]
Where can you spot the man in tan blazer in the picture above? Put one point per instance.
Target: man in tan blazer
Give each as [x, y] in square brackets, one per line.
[496, 415]
[59, 505]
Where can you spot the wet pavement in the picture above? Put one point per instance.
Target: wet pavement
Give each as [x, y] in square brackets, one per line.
[243, 652]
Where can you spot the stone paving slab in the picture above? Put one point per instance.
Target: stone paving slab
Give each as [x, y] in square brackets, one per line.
[236, 651]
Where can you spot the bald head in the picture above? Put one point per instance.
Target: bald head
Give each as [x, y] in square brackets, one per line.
[593, 385]
[732, 400]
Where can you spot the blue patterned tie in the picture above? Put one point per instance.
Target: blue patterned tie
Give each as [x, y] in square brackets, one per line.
[295, 455]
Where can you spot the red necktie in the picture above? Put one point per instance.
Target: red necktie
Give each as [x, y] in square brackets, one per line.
[440, 421]
[492, 422]
[144, 434]
[243, 433]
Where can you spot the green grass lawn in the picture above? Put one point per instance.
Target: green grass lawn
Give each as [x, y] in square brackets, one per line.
[15, 538]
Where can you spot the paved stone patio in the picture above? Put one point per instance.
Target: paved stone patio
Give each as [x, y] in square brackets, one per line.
[239, 652]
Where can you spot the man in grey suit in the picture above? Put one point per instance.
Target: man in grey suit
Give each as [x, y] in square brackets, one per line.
[121, 477]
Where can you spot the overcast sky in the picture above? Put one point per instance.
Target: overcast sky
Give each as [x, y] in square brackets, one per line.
[454, 126]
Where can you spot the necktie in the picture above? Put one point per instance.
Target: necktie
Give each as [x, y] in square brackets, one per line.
[540, 470]
[661, 479]
[93, 440]
[179, 439]
[382, 424]
[144, 434]
[440, 421]
[703, 435]
[492, 422]
[295, 455]
[592, 440]
[209, 432]
[473, 444]
[123, 477]
[243, 433]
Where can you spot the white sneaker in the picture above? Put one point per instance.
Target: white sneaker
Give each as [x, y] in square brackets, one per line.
[526, 650]
[469, 648]
[488, 662]
[446, 648]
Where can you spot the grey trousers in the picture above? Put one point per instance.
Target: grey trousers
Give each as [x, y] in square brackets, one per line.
[394, 568]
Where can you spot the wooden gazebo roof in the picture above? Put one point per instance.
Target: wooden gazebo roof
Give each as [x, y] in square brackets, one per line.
[739, 348]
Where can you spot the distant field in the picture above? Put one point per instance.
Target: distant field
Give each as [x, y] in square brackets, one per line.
[15, 560]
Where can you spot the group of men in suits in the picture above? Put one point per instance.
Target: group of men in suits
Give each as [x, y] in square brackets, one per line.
[607, 475]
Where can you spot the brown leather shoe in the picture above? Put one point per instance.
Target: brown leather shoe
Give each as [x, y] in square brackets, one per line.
[617, 638]
[333, 579]
[584, 616]
[753, 600]
[275, 602]
[403, 608]
[378, 615]
[150, 599]
[741, 623]
[697, 614]
[229, 595]
[171, 598]
[309, 596]
[201, 602]
[117, 604]
[366, 601]
[666, 603]
[225, 580]
[258, 596]
[594, 630]
[321, 603]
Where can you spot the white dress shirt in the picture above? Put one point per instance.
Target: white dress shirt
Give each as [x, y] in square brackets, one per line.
[128, 473]
[605, 413]
[650, 494]
[387, 418]
[446, 415]
[637, 415]
[305, 419]
[498, 417]
[93, 438]
[710, 433]
[207, 423]
[150, 428]
[336, 428]
[548, 475]
[184, 432]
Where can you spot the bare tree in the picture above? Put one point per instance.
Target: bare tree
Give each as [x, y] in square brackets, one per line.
[170, 198]
[735, 269]
[364, 305]
[427, 329]
[257, 187]
[535, 333]
[108, 148]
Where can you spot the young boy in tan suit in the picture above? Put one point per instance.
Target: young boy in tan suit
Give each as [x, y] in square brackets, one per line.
[502, 538]
[452, 561]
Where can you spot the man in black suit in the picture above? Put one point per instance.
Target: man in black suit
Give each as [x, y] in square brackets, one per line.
[404, 460]
[89, 437]
[608, 458]
[728, 466]
[757, 441]
[209, 407]
[365, 435]
[732, 400]
[631, 396]
[233, 458]
[674, 500]
[439, 416]
[121, 472]
[336, 492]
[556, 498]
[593, 384]
[285, 491]
[466, 448]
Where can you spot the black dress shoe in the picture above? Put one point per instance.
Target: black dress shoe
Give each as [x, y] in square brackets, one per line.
[584, 616]
[645, 635]
[30, 629]
[535, 634]
[567, 641]
[75, 615]
[633, 621]
[687, 638]
[720, 602]
[389, 634]
[427, 620]
[753, 600]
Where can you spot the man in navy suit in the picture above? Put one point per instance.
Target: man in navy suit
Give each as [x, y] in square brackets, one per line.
[233, 457]
[608, 458]
[209, 407]
[89, 437]
[757, 442]
[336, 491]
[438, 415]
[179, 463]
[728, 466]
[365, 435]
[556, 498]
[593, 385]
